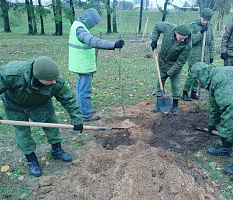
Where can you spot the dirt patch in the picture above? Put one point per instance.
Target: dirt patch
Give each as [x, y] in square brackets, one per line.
[145, 162]
[179, 134]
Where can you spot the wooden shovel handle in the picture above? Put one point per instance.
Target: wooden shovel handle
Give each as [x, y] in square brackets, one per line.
[202, 59]
[157, 67]
[203, 47]
[50, 125]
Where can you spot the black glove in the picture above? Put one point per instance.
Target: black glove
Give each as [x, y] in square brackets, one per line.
[153, 45]
[224, 56]
[164, 77]
[119, 44]
[211, 60]
[204, 28]
[211, 128]
[78, 127]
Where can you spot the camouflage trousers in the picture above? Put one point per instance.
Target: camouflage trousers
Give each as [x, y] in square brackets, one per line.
[228, 61]
[190, 83]
[175, 83]
[23, 135]
[223, 119]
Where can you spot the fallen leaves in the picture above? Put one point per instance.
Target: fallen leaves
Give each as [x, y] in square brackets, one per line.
[5, 168]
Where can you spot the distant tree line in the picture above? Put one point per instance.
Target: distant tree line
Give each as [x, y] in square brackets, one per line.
[37, 13]
[223, 7]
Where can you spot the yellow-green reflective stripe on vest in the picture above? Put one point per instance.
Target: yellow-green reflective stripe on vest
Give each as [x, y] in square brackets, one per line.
[82, 58]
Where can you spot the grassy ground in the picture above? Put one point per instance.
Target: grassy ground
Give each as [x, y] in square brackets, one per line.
[138, 77]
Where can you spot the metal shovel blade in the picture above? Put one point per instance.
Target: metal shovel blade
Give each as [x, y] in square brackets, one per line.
[164, 104]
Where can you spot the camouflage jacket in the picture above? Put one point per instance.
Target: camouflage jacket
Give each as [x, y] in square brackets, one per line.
[18, 88]
[197, 43]
[173, 54]
[227, 41]
[219, 82]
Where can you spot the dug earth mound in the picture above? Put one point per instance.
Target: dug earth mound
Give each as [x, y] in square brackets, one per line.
[149, 161]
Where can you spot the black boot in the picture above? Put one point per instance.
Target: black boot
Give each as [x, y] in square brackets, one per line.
[229, 170]
[58, 153]
[33, 164]
[185, 96]
[156, 108]
[175, 109]
[194, 95]
[224, 150]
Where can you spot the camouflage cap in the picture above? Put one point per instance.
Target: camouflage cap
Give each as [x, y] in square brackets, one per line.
[183, 29]
[207, 13]
[44, 68]
[202, 71]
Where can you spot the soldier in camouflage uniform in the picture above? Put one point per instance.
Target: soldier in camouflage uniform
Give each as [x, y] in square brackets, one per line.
[218, 81]
[227, 46]
[26, 89]
[198, 28]
[175, 49]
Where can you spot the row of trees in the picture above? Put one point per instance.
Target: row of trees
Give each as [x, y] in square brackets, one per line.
[223, 7]
[39, 11]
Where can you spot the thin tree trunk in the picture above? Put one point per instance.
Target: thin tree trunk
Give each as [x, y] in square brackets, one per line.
[54, 14]
[140, 17]
[57, 16]
[114, 20]
[41, 19]
[5, 8]
[34, 25]
[109, 28]
[164, 10]
[72, 7]
[30, 28]
[60, 16]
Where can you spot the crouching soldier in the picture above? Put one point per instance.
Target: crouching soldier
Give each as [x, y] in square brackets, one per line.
[218, 81]
[26, 89]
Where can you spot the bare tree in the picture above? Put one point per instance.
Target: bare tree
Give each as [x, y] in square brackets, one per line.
[41, 17]
[114, 24]
[165, 9]
[4, 14]
[109, 28]
[224, 8]
[73, 13]
[34, 24]
[29, 15]
[57, 16]
[140, 18]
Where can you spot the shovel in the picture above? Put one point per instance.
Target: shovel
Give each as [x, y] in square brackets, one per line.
[52, 125]
[164, 103]
[202, 60]
[206, 130]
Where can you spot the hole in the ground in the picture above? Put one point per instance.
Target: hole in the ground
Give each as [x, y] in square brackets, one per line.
[179, 134]
[110, 142]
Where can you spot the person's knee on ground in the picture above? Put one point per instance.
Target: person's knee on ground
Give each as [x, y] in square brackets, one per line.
[33, 164]
[58, 153]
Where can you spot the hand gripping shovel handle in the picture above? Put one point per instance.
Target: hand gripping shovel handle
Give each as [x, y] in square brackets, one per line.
[52, 125]
[157, 67]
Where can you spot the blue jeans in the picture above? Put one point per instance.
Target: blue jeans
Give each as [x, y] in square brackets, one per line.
[84, 90]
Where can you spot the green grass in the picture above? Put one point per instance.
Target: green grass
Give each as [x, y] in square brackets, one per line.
[138, 74]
